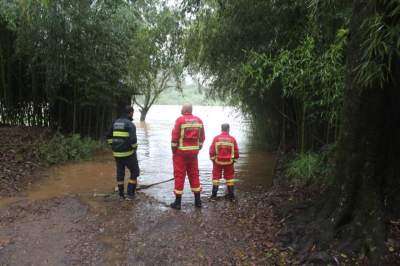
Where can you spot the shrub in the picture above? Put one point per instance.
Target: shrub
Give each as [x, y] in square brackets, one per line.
[60, 148]
[311, 167]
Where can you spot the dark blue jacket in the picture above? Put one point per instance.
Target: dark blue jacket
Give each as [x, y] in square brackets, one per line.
[122, 137]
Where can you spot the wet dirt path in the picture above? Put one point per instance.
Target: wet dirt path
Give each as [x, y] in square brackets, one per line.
[73, 230]
[69, 217]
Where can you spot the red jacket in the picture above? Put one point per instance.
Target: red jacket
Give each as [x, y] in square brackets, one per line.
[224, 149]
[188, 134]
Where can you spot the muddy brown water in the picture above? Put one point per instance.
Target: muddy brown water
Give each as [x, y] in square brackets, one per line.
[97, 177]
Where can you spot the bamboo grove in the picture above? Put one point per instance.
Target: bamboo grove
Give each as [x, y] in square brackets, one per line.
[311, 73]
[62, 63]
[282, 62]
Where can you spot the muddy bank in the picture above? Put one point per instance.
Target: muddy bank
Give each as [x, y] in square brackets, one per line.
[64, 219]
[308, 232]
[60, 221]
[105, 231]
[64, 216]
[53, 232]
[257, 229]
[19, 159]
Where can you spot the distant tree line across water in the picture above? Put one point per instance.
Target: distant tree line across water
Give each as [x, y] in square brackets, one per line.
[189, 93]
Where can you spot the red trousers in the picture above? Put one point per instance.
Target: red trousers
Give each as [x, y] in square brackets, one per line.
[186, 164]
[227, 171]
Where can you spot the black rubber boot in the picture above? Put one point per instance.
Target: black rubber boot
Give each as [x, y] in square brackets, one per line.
[177, 204]
[231, 192]
[214, 192]
[121, 191]
[197, 200]
[131, 190]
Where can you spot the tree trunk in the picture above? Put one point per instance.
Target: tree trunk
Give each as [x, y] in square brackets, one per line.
[89, 125]
[74, 112]
[368, 148]
[143, 114]
[303, 130]
[3, 75]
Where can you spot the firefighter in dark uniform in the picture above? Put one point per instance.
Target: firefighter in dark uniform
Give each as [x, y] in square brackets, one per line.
[123, 140]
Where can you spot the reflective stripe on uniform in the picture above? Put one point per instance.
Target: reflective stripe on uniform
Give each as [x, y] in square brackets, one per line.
[123, 134]
[189, 148]
[230, 182]
[132, 181]
[216, 182]
[196, 189]
[178, 192]
[198, 126]
[225, 143]
[191, 125]
[120, 182]
[134, 146]
[122, 154]
[223, 162]
[109, 141]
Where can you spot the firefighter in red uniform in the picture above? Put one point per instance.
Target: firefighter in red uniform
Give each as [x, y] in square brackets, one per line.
[187, 140]
[224, 152]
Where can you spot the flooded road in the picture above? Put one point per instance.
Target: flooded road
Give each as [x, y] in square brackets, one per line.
[72, 217]
[254, 168]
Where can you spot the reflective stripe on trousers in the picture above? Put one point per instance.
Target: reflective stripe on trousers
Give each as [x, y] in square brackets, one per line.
[186, 164]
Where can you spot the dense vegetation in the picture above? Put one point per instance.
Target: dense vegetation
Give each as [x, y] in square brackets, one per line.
[313, 73]
[282, 62]
[61, 62]
[71, 64]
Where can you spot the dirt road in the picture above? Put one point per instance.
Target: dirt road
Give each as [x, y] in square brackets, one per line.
[76, 230]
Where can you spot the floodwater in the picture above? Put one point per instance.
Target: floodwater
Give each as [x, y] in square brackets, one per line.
[97, 177]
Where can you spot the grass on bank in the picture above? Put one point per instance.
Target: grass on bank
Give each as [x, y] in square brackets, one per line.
[60, 148]
[311, 167]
